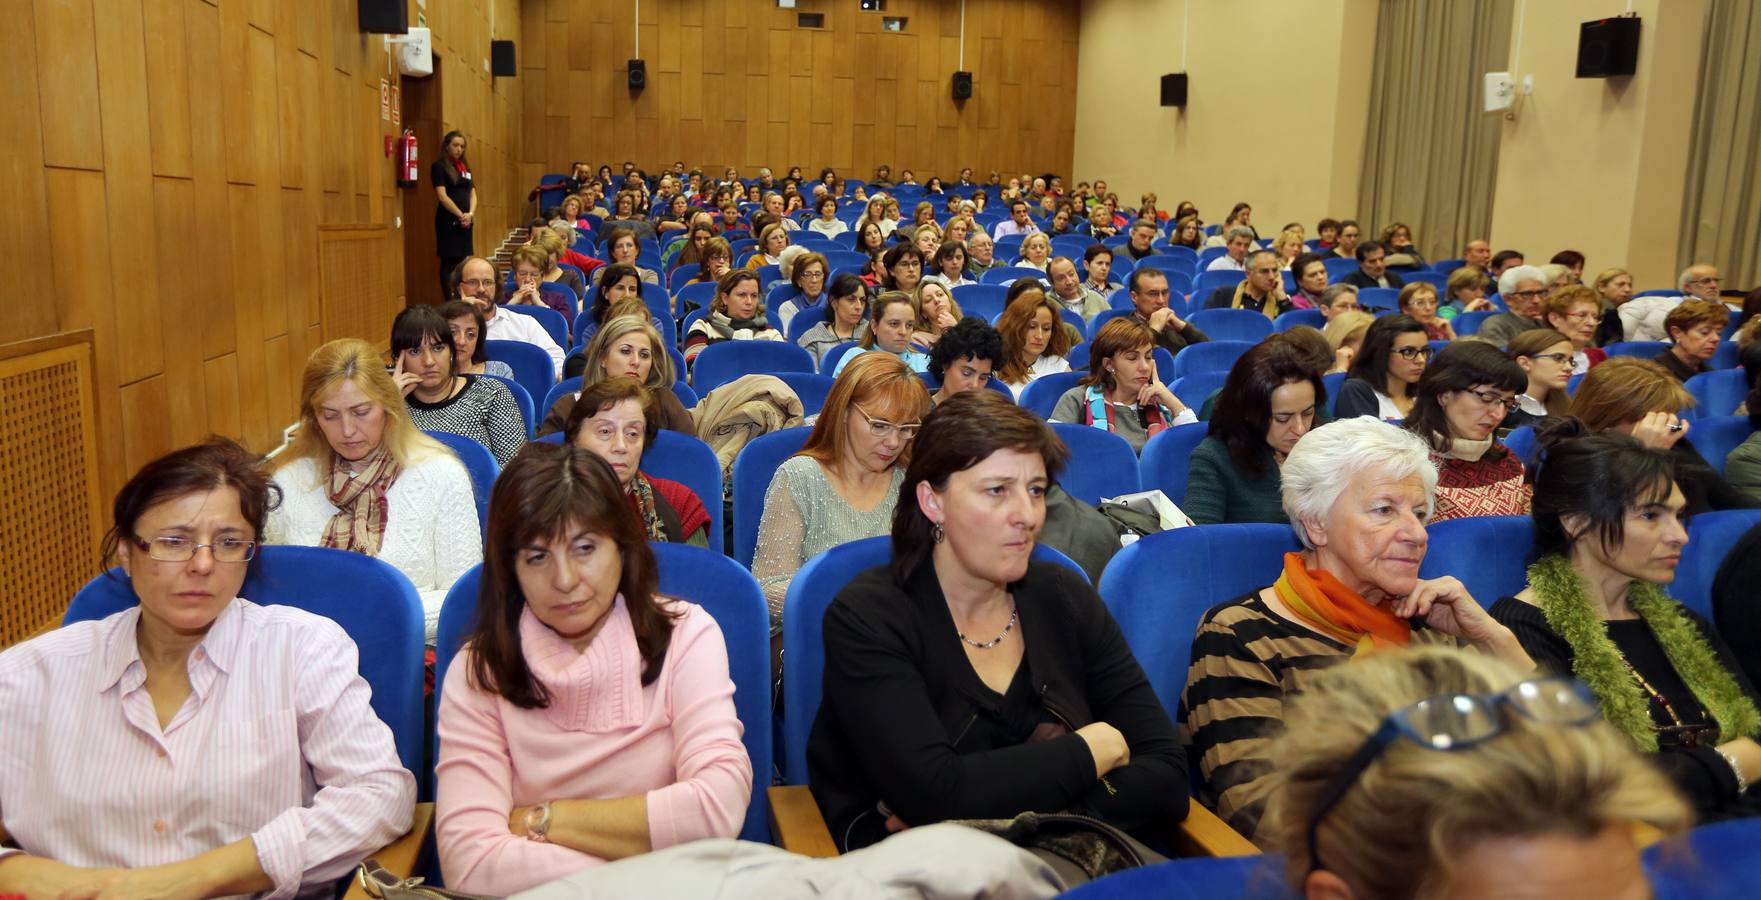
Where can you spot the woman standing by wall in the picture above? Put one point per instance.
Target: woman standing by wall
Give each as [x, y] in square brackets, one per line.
[456, 211]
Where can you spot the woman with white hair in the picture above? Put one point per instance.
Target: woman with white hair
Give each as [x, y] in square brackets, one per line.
[1358, 493]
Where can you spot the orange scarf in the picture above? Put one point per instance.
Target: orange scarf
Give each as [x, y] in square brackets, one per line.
[1321, 602]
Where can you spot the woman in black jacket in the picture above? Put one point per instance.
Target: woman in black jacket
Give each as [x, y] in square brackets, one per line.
[964, 681]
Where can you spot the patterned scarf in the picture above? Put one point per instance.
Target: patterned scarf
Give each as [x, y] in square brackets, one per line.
[359, 498]
[642, 492]
[725, 327]
[1321, 602]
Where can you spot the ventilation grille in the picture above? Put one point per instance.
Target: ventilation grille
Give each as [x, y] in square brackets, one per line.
[49, 504]
[360, 274]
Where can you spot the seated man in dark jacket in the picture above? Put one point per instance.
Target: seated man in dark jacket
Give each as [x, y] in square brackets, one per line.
[1372, 268]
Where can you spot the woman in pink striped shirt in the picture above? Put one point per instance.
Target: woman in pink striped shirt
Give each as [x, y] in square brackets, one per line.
[587, 719]
[197, 744]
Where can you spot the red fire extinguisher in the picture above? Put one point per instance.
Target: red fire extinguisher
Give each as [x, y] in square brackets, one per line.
[406, 159]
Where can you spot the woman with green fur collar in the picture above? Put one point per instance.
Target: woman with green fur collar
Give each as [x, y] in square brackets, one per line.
[1608, 535]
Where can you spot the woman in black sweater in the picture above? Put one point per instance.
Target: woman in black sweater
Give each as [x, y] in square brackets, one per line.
[964, 681]
[1608, 535]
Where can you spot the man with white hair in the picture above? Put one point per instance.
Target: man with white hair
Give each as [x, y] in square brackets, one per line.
[1642, 317]
[1524, 289]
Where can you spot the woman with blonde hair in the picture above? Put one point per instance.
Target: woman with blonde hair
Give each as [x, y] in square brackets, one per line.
[1036, 251]
[1345, 332]
[1613, 287]
[843, 484]
[1288, 246]
[628, 345]
[1639, 397]
[357, 475]
[1465, 292]
[1438, 773]
[933, 302]
[772, 241]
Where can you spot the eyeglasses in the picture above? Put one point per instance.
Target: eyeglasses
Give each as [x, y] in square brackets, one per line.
[1491, 398]
[1595, 316]
[1560, 358]
[882, 429]
[1528, 295]
[179, 549]
[1454, 722]
[1412, 353]
[480, 283]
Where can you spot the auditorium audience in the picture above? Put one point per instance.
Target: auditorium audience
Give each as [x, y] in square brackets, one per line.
[1309, 272]
[1438, 773]
[1575, 312]
[964, 358]
[1386, 369]
[1372, 268]
[475, 281]
[195, 744]
[1524, 291]
[1272, 397]
[1642, 318]
[530, 262]
[1035, 342]
[1149, 303]
[1609, 534]
[1640, 398]
[1545, 356]
[622, 247]
[1694, 327]
[617, 420]
[1098, 259]
[1262, 290]
[1121, 392]
[1038, 706]
[935, 310]
[628, 346]
[842, 486]
[1466, 289]
[1238, 240]
[892, 321]
[736, 314]
[465, 321]
[846, 321]
[627, 215]
[358, 475]
[1462, 399]
[1338, 298]
[588, 718]
[1419, 300]
[618, 284]
[805, 271]
[438, 398]
[1614, 287]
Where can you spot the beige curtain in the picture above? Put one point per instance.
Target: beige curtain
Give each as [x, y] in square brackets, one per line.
[1721, 218]
[1430, 154]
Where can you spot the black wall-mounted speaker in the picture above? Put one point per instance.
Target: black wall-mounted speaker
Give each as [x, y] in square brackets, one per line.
[638, 74]
[501, 59]
[384, 16]
[962, 85]
[1174, 89]
[1608, 47]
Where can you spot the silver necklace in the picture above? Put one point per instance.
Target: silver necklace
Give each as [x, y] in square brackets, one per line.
[1010, 626]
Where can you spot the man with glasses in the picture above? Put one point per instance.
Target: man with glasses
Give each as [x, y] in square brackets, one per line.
[1524, 292]
[1261, 291]
[1149, 301]
[1372, 268]
[1642, 317]
[475, 281]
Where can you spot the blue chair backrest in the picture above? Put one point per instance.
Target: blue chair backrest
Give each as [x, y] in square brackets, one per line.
[1435, 279]
[689, 461]
[1642, 349]
[769, 275]
[828, 363]
[682, 273]
[566, 386]
[532, 366]
[1211, 356]
[1101, 464]
[753, 469]
[687, 397]
[1071, 245]
[1206, 282]
[1077, 357]
[1208, 255]
[729, 594]
[1488, 554]
[985, 301]
[1195, 388]
[1200, 878]
[1159, 614]
[837, 258]
[1165, 368]
[1338, 267]
[1378, 298]
[554, 323]
[811, 592]
[1717, 393]
[811, 387]
[528, 411]
[701, 294]
[1164, 461]
[1042, 394]
[1247, 325]
[1310, 317]
[1332, 383]
[724, 361]
[1108, 315]
[1469, 323]
[1710, 537]
[1003, 275]
[1715, 437]
[1521, 441]
[803, 322]
[1445, 266]
[1721, 861]
[371, 600]
[1727, 356]
[481, 465]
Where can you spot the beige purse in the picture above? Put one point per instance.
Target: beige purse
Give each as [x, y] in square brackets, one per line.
[381, 884]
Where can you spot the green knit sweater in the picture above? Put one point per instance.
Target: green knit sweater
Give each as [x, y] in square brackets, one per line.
[1217, 491]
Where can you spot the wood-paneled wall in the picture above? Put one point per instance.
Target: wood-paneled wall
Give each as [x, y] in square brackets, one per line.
[170, 163]
[736, 82]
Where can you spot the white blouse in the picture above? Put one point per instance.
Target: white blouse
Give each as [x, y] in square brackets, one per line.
[431, 530]
[1045, 365]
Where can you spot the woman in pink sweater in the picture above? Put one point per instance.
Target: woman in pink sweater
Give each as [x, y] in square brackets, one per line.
[587, 719]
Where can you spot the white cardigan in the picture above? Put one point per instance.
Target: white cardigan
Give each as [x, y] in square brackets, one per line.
[431, 530]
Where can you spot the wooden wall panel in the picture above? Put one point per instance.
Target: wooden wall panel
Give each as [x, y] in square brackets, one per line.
[736, 82]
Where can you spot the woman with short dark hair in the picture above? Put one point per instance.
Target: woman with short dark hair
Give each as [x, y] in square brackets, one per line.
[965, 681]
[588, 718]
[1273, 396]
[965, 358]
[470, 339]
[439, 398]
[1463, 397]
[1121, 392]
